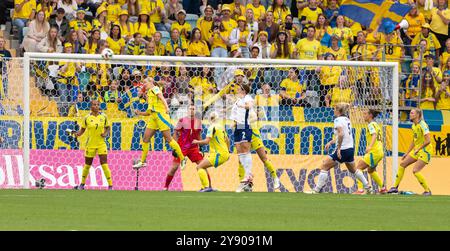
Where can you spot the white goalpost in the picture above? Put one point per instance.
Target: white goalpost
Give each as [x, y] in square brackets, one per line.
[294, 137]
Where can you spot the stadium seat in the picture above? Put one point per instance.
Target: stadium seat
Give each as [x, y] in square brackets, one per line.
[192, 20]
[25, 31]
[165, 36]
[86, 106]
[433, 117]
[83, 80]
[279, 113]
[321, 114]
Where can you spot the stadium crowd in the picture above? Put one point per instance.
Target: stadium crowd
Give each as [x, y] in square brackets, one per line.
[260, 29]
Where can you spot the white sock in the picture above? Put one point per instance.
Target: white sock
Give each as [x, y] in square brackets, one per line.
[246, 161]
[321, 181]
[360, 176]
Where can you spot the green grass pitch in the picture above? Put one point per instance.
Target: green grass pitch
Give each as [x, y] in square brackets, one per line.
[145, 210]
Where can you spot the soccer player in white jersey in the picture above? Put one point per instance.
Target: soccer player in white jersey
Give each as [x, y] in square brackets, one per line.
[240, 114]
[344, 149]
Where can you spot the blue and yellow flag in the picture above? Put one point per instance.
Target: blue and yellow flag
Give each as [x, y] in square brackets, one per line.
[370, 12]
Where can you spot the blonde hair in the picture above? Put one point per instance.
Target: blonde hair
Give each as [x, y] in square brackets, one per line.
[418, 111]
[343, 108]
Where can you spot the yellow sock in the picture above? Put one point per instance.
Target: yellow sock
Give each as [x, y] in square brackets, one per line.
[359, 184]
[85, 173]
[241, 171]
[376, 178]
[145, 148]
[400, 172]
[203, 177]
[422, 181]
[107, 173]
[270, 168]
[177, 149]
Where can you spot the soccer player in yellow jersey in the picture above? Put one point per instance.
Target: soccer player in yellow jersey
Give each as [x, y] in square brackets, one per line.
[98, 127]
[419, 152]
[374, 151]
[159, 120]
[219, 153]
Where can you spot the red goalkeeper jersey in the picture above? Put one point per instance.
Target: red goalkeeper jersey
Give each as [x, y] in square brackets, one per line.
[189, 129]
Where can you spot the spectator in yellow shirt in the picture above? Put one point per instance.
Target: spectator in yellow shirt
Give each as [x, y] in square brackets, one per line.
[155, 8]
[228, 23]
[435, 72]
[308, 48]
[292, 29]
[24, 12]
[205, 23]
[433, 44]
[282, 48]
[101, 22]
[322, 27]
[445, 55]
[440, 20]
[280, 11]
[415, 21]
[267, 97]
[67, 82]
[144, 25]
[47, 6]
[339, 53]
[181, 25]
[237, 9]
[310, 15]
[197, 47]
[160, 49]
[126, 27]
[175, 42]
[420, 52]
[292, 92]
[218, 39]
[428, 100]
[113, 9]
[241, 36]
[258, 9]
[342, 92]
[90, 47]
[446, 66]
[81, 25]
[345, 34]
[115, 40]
[329, 77]
[443, 93]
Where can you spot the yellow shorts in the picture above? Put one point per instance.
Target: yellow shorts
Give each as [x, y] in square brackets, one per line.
[372, 159]
[159, 121]
[256, 140]
[217, 159]
[422, 155]
[91, 152]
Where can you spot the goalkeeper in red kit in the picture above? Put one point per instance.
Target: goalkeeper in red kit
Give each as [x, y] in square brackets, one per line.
[187, 129]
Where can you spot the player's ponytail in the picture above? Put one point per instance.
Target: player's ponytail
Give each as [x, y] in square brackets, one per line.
[419, 113]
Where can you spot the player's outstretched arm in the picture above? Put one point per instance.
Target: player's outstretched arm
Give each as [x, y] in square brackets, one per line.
[202, 142]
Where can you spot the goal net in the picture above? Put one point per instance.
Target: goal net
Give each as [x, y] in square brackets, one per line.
[294, 102]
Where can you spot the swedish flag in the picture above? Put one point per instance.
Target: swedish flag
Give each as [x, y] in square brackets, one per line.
[370, 12]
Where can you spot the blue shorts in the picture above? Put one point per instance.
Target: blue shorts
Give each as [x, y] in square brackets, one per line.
[242, 135]
[347, 156]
